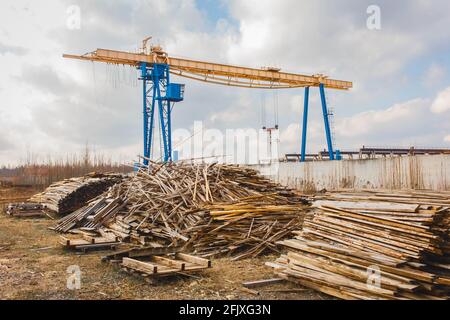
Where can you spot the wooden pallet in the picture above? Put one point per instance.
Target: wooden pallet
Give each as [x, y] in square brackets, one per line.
[89, 243]
[158, 266]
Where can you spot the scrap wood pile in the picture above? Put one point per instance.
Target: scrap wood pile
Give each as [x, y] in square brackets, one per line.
[373, 246]
[255, 222]
[69, 195]
[92, 217]
[25, 210]
[211, 209]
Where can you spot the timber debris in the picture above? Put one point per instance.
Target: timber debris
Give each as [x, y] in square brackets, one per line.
[25, 210]
[88, 243]
[372, 245]
[207, 209]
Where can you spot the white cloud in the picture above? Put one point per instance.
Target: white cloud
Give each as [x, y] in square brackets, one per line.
[434, 75]
[334, 37]
[442, 102]
[447, 138]
[392, 119]
[404, 124]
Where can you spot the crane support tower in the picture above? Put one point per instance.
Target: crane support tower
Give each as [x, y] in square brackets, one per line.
[156, 68]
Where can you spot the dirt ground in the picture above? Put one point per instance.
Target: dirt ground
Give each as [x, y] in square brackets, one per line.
[34, 266]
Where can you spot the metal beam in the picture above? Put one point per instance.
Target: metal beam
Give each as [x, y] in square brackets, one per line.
[326, 121]
[216, 73]
[305, 123]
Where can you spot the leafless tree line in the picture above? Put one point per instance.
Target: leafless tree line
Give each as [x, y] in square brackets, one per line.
[43, 173]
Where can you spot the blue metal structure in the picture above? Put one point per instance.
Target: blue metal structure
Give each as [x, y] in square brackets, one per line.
[160, 93]
[305, 123]
[326, 120]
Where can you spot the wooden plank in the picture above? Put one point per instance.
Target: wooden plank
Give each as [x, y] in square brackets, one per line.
[170, 262]
[86, 247]
[370, 206]
[140, 266]
[195, 260]
[261, 283]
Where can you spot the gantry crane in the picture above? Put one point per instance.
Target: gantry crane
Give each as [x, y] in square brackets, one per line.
[159, 92]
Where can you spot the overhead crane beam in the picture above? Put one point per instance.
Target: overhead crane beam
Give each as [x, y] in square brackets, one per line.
[210, 72]
[159, 93]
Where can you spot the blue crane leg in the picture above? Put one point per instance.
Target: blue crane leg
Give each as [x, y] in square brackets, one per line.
[157, 75]
[169, 130]
[144, 111]
[169, 119]
[152, 123]
[326, 121]
[163, 124]
[305, 123]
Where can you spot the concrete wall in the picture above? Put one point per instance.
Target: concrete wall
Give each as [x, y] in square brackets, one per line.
[415, 172]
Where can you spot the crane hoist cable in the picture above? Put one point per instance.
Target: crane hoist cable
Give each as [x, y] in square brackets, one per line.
[263, 110]
[275, 108]
[94, 87]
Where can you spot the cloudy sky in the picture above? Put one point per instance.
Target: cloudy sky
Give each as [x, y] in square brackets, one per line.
[52, 107]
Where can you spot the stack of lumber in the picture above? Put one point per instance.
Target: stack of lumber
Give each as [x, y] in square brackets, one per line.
[172, 204]
[373, 245]
[92, 216]
[69, 195]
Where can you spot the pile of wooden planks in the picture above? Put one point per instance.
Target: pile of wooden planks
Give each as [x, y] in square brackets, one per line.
[373, 245]
[246, 228]
[25, 210]
[92, 216]
[210, 208]
[69, 195]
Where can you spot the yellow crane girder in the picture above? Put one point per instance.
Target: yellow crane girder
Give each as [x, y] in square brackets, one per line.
[265, 78]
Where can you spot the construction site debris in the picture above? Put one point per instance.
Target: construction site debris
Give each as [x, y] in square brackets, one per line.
[254, 223]
[373, 245]
[69, 195]
[25, 210]
[209, 209]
